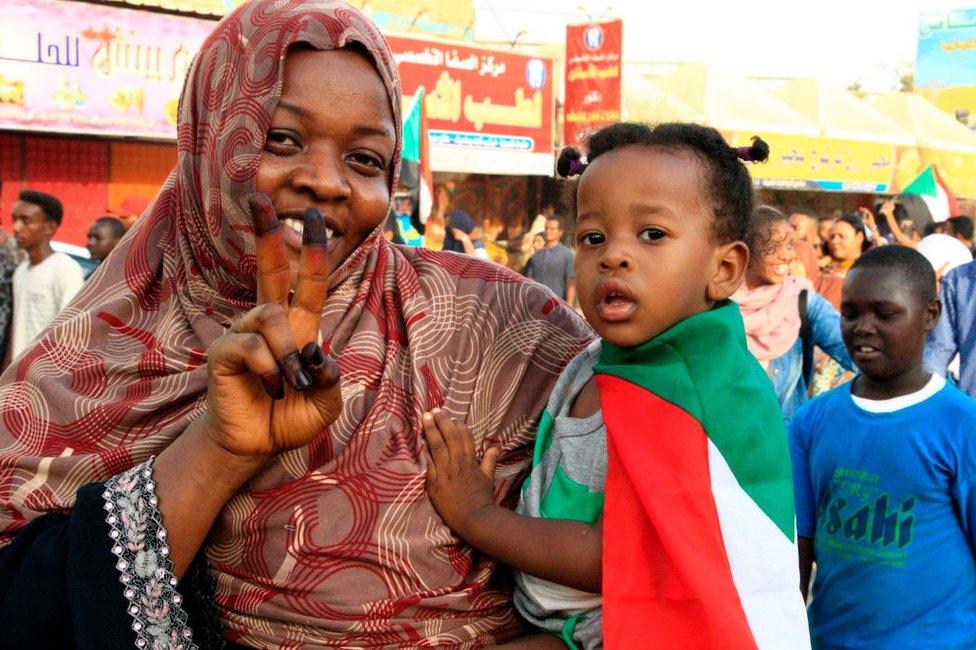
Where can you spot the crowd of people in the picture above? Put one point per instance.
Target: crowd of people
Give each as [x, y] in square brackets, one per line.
[263, 424]
[36, 281]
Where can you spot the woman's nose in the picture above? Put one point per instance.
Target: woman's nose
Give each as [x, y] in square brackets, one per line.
[323, 175]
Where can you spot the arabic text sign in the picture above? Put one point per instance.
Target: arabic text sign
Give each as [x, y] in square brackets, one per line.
[593, 65]
[477, 98]
[75, 67]
[803, 162]
[946, 49]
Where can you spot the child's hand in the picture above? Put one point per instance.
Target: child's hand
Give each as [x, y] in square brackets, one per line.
[459, 486]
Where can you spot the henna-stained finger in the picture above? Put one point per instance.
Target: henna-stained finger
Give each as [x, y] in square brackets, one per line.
[312, 286]
[274, 273]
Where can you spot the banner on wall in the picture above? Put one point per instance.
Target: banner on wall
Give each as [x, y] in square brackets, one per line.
[70, 67]
[487, 111]
[945, 69]
[827, 164]
[593, 78]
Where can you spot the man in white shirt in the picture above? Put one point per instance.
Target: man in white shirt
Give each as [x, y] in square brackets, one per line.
[46, 281]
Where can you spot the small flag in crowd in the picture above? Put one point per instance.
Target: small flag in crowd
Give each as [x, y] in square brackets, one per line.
[937, 196]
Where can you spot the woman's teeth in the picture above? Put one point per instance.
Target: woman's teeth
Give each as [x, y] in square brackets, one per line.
[299, 226]
[295, 224]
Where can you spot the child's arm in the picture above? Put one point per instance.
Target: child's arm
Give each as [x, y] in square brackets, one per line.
[561, 551]
[805, 547]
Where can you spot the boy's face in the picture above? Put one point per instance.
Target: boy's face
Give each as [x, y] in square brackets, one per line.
[646, 257]
[884, 322]
[31, 226]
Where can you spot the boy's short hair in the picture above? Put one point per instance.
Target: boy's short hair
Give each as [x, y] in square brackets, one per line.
[49, 205]
[806, 211]
[962, 226]
[116, 227]
[914, 269]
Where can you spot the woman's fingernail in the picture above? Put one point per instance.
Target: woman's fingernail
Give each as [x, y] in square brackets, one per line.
[302, 379]
[263, 214]
[313, 229]
[291, 368]
[312, 355]
[427, 417]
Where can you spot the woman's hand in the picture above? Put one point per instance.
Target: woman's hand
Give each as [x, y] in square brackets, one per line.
[457, 483]
[270, 386]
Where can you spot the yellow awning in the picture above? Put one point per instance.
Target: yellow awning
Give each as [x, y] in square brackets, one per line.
[840, 114]
[712, 96]
[932, 127]
[942, 141]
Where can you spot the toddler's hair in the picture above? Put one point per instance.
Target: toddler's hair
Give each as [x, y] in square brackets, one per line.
[729, 184]
[912, 267]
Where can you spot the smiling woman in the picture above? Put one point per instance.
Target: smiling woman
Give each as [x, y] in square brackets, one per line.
[190, 383]
[783, 314]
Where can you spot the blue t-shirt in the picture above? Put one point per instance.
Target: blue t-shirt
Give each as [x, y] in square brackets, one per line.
[890, 500]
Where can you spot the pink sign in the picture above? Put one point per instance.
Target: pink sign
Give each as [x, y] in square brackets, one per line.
[71, 67]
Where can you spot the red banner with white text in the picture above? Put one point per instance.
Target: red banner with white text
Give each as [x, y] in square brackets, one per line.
[593, 74]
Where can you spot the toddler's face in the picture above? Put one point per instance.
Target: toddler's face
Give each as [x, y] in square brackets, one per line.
[646, 253]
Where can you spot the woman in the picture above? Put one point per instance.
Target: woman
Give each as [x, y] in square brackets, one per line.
[848, 239]
[309, 509]
[770, 301]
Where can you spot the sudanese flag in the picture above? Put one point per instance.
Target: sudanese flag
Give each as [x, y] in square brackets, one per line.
[699, 524]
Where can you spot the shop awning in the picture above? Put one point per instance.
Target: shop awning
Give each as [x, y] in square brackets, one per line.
[710, 95]
[840, 114]
[933, 128]
[941, 141]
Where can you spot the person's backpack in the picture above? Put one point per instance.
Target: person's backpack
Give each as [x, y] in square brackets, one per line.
[806, 338]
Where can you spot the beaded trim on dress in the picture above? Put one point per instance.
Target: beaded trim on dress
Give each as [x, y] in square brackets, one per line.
[145, 569]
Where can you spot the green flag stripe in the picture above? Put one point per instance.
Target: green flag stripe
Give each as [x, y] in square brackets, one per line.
[411, 129]
[702, 366]
[924, 184]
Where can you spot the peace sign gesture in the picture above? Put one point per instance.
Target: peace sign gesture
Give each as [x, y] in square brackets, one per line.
[270, 387]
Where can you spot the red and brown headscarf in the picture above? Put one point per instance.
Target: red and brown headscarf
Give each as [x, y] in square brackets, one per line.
[336, 542]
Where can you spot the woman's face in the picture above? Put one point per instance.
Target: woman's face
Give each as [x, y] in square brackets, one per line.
[330, 146]
[774, 265]
[845, 242]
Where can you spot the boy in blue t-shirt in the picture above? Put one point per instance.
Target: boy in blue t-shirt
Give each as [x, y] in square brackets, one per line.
[884, 470]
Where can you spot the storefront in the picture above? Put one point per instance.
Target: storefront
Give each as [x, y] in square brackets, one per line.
[88, 98]
[488, 116]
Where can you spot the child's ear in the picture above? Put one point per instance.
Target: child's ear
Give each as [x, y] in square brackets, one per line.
[731, 261]
[933, 310]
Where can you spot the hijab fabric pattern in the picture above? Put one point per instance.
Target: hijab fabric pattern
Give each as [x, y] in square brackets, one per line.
[336, 542]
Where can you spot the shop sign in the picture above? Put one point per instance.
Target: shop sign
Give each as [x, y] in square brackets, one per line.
[593, 78]
[487, 111]
[71, 67]
[826, 164]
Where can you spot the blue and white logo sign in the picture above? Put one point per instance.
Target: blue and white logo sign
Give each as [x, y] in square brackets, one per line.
[593, 38]
[535, 73]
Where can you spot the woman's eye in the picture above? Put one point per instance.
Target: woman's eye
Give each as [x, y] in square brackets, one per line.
[651, 234]
[367, 160]
[280, 140]
[591, 239]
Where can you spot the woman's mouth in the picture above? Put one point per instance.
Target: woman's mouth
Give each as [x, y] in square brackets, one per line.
[294, 227]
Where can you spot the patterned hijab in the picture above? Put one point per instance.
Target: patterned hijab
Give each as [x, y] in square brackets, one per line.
[335, 542]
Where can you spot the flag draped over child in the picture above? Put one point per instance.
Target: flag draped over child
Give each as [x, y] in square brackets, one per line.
[699, 524]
